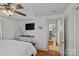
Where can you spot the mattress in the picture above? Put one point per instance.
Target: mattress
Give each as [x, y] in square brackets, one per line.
[16, 48]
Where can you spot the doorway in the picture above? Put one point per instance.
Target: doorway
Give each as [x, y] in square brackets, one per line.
[56, 37]
[53, 46]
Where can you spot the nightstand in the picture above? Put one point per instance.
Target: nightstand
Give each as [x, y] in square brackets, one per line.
[33, 44]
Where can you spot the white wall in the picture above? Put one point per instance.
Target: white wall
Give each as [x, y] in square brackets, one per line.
[41, 35]
[69, 13]
[76, 27]
[8, 28]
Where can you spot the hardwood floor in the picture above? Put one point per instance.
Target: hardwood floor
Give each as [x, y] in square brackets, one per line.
[53, 50]
[47, 53]
[42, 53]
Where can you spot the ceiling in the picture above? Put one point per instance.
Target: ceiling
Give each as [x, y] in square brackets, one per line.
[45, 9]
[40, 9]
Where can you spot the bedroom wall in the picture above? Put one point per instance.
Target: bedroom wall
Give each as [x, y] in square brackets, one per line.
[8, 28]
[41, 35]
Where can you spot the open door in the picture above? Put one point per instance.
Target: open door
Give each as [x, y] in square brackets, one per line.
[60, 35]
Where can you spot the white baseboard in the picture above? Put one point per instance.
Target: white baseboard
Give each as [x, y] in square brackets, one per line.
[71, 52]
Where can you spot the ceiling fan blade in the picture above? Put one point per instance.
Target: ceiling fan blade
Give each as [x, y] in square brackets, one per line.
[19, 6]
[9, 7]
[20, 13]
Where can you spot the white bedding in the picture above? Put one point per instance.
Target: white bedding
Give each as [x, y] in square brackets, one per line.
[16, 48]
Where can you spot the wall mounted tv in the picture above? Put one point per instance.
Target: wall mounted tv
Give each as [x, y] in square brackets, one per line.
[30, 26]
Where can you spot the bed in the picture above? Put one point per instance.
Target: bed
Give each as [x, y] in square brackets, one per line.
[16, 48]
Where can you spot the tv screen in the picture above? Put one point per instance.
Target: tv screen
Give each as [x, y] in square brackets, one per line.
[29, 26]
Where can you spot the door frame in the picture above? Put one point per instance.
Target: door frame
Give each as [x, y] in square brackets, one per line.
[61, 42]
[60, 17]
[48, 32]
[75, 6]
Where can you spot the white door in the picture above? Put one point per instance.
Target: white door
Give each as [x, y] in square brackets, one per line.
[60, 35]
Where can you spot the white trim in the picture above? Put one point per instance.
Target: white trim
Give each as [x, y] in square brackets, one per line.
[71, 52]
[75, 27]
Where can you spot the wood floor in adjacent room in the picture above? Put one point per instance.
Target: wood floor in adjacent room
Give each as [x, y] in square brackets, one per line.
[53, 50]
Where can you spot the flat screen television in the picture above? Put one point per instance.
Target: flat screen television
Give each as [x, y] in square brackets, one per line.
[30, 26]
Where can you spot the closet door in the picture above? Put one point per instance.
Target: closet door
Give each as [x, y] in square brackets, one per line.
[0, 30]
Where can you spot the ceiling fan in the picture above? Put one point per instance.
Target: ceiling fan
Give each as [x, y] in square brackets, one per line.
[11, 7]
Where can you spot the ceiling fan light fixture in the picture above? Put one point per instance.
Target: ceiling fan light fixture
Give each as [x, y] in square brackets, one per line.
[8, 12]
